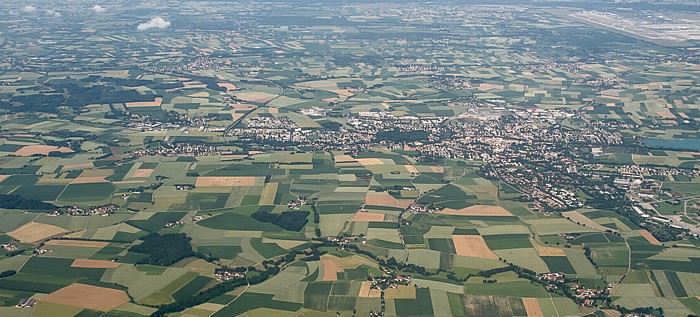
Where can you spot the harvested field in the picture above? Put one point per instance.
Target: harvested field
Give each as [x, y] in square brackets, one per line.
[647, 235]
[34, 232]
[473, 246]
[342, 93]
[576, 216]
[411, 168]
[477, 210]
[156, 103]
[88, 296]
[367, 291]
[532, 307]
[549, 251]
[94, 264]
[330, 268]
[77, 166]
[369, 161]
[146, 172]
[78, 243]
[485, 86]
[30, 150]
[228, 86]
[437, 169]
[92, 176]
[368, 216]
[4, 177]
[89, 180]
[386, 200]
[344, 159]
[273, 110]
[225, 181]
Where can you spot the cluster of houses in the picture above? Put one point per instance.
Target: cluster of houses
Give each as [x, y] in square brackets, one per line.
[422, 209]
[223, 276]
[105, 210]
[10, 247]
[296, 204]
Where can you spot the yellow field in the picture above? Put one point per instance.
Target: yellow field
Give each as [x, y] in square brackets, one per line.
[30, 150]
[94, 264]
[344, 159]
[473, 246]
[224, 181]
[386, 200]
[78, 243]
[477, 210]
[268, 194]
[368, 216]
[369, 161]
[34, 232]
[156, 103]
[549, 251]
[401, 291]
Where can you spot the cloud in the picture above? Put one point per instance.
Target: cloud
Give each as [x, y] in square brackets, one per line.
[157, 23]
[53, 13]
[29, 9]
[98, 9]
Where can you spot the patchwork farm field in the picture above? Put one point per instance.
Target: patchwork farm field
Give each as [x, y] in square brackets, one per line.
[289, 158]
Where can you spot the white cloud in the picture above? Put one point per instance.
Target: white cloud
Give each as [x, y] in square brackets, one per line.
[53, 13]
[98, 9]
[29, 9]
[157, 23]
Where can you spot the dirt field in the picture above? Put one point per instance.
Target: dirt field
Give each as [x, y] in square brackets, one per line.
[146, 172]
[369, 161]
[411, 168]
[330, 268]
[342, 93]
[224, 181]
[366, 291]
[156, 103]
[549, 251]
[477, 210]
[4, 177]
[473, 246]
[92, 176]
[273, 110]
[30, 150]
[368, 216]
[532, 307]
[386, 200]
[582, 219]
[268, 194]
[647, 235]
[437, 169]
[94, 264]
[34, 232]
[87, 296]
[78, 243]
